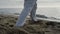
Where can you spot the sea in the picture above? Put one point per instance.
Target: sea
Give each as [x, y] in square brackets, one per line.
[50, 12]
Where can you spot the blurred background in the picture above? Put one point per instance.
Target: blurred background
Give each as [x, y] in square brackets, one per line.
[49, 8]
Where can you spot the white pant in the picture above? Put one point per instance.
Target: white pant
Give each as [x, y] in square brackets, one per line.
[28, 7]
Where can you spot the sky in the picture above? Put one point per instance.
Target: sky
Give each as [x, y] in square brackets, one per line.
[11, 3]
[19, 3]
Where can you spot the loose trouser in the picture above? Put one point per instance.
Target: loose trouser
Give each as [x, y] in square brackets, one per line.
[33, 13]
[28, 6]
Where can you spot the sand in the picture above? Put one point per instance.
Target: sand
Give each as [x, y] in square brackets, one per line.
[7, 23]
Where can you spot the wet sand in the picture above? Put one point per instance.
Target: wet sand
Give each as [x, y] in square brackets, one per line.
[7, 23]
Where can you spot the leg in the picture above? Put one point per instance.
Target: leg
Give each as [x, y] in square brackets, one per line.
[33, 13]
[27, 9]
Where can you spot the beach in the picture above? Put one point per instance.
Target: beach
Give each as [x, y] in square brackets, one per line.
[7, 24]
[10, 9]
